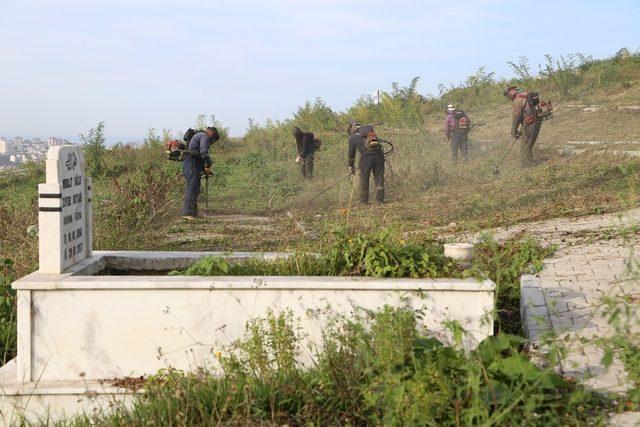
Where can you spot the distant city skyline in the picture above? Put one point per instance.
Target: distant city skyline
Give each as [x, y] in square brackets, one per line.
[158, 64]
[111, 139]
[18, 150]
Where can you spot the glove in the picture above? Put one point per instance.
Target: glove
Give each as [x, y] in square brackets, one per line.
[299, 159]
[352, 169]
[207, 171]
[517, 134]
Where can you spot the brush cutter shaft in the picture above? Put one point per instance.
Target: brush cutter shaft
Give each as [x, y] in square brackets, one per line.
[506, 152]
[331, 186]
[206, 192]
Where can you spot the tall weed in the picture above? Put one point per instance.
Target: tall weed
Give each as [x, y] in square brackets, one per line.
[8, 314]
[378, 368]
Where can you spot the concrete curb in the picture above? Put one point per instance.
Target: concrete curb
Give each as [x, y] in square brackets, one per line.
[533, 309]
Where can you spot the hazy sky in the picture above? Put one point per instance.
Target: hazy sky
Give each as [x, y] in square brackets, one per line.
[67, 64]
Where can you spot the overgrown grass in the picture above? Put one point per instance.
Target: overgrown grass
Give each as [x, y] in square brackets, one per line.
[376, 369]
[378, 255]
[135, 192]
[8, 314]
[385, 254]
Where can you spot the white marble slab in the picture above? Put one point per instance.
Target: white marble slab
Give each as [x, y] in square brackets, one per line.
[93, 327]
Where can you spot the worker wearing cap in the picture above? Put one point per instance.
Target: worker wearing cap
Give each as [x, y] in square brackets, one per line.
[195, 162]
[449, 121]
[523, 115]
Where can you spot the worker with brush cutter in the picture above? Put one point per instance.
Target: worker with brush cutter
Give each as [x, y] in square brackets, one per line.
[457, 127]
[307, 145]
[528, 113]
[195, 163]
[364, 140]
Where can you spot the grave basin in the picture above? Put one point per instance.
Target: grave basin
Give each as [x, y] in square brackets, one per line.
[83, 326]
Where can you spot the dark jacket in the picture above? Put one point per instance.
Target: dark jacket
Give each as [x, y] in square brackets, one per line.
[306, 144]
[356, 143]
[200, 143]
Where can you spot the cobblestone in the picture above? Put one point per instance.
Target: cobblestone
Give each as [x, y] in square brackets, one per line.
[572, 285]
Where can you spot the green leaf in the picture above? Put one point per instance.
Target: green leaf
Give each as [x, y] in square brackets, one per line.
[607, 358]
[427, 344]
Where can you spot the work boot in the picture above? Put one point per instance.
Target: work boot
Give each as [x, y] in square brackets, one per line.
[189, 217]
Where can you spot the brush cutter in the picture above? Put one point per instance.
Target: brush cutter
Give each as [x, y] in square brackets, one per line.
[391, 148]
[473, 125]
[206, 174]
[496, 170]
[206, 192]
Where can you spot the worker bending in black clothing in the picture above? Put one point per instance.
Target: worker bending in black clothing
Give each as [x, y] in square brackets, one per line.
[364, 140]
[307, 145]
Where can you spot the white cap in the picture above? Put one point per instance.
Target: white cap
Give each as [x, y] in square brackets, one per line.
[450, 107]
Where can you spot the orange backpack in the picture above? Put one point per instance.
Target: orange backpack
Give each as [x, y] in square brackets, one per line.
[462, 122]
[371, 141]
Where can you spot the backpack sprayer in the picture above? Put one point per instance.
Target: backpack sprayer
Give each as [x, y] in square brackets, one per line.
[447, 148]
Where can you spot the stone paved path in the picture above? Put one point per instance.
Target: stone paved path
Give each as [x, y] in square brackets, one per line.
[592, 262]
[573, 283]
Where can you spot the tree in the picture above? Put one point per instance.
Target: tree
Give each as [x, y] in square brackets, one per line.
[202, 123]
[95, 148]
[152, 139]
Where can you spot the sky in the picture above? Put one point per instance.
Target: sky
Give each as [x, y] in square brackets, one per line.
[139, 64]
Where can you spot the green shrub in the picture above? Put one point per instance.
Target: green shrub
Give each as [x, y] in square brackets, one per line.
[316, 116]
[378, 368]
[8, 315]
[94, 150]
[401, 107]
[383, 254]
[379, 254]
[139, 201]
[504, 263]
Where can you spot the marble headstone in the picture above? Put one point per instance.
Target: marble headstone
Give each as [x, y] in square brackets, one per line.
[65, 215]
